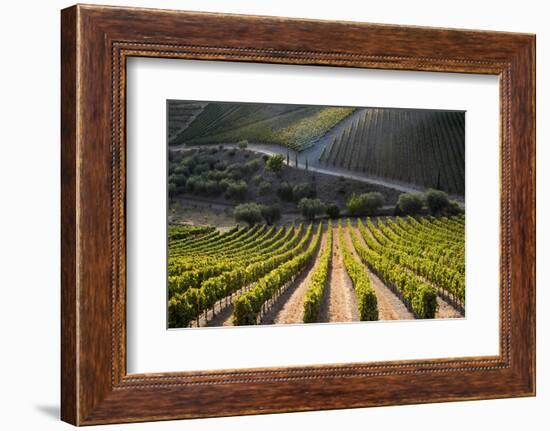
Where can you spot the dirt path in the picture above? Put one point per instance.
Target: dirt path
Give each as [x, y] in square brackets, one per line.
[339, 302]
[446, 310]
[224, 313]
[289, 307]
[390, 307]
[223, 318]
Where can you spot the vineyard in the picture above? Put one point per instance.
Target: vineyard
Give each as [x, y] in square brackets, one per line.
[299, 273]
[419, 147]
[293, 126]
[181, 114]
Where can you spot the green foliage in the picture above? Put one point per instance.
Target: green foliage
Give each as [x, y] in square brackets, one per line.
[236, 190]
[175, 156]
[285, 192]
[454, 208]
[410, 203]
[311, 208]
[264, 187]
[249, 213]
[179, 232]
[221, 165]
[201, 168]
[249, 305]
[410, 255]
[333, 211]
[243, 311]
[431, 248]
[304, 190]
[192, 262]
[225, 183]
[235, 171]
[425, 302]
[181, 313]
[212, 188]
[203, 186]
[316, 288]
[437, 201]
[270, 213]
[275, 163]
[242, 144]
[181, 169]
[178, 179]
[302, 134]
[367, 303]
[219, 276]
[365, 204]
[372, 202]
[251, 166]
[296, 127]
[257, 179]
[172, 187]
[203, 174]
[354, 205]
[388, 264]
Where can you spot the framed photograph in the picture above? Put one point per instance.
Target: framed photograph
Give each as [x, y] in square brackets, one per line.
[267, 215]
[298, 176]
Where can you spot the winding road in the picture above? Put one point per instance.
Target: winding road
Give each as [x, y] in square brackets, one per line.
[311, 155]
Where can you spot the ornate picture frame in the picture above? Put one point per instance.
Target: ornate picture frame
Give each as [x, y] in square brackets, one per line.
[96, 41]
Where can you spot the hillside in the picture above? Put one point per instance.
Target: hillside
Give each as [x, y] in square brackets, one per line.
[228, 177]
[293, 126]
[419, 147]
[181, 114]
[392, 268]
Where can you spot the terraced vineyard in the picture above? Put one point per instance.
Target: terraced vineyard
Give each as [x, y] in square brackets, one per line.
[294, 126]
[291, 274]
[181, 114]
[420, 147]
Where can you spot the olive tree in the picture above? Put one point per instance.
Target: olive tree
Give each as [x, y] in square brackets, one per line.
[275, 163]
[249, 213]
[365, 204]
[311, 208]
[437, 201]
[270, 213]
[410, 203]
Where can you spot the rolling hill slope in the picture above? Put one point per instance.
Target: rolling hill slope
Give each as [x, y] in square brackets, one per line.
[422, 147]
[293, 126]
[181, 114]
